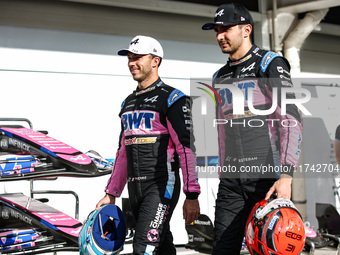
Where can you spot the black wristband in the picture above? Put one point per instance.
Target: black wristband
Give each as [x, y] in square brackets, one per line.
[287, 169]
[191, 195]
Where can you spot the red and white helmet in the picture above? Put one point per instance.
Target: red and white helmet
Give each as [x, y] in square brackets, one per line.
[275, 227]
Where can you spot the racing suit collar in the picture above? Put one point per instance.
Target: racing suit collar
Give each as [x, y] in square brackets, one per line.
[247, 56]
[157, 83]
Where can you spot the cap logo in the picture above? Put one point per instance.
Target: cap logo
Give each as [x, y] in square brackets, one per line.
[154, 50]
[220, 13]
[135, 41]
[243, 19]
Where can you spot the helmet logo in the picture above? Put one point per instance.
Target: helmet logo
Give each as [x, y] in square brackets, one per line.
[293, 235]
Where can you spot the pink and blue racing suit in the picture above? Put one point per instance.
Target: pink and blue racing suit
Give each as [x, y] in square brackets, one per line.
[156, 140]
[254, 149]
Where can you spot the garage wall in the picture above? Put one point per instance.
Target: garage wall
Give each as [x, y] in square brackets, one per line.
[97, 23]
[93, 43]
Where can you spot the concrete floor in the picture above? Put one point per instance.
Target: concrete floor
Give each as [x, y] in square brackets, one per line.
[322, 251]
[183, 251]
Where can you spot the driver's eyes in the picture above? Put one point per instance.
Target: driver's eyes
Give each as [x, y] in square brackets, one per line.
[222, 29]
[134, 58]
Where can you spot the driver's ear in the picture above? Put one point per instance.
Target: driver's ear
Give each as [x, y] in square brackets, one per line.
[247, 29]
[155, 61]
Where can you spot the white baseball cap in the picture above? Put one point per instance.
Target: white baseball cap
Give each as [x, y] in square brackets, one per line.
[143, 45]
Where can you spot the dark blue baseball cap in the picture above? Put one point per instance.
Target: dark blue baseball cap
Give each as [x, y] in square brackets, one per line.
[230, 14]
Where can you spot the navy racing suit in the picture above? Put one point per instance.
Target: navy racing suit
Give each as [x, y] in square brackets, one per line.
[156, 140]
[254, 148]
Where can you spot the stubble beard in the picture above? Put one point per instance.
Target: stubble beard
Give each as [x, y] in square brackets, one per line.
[142, 76]
[232, 46]
[229, 50]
